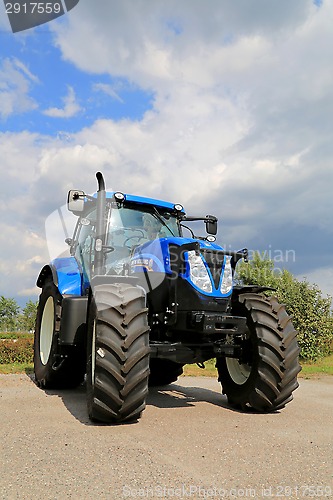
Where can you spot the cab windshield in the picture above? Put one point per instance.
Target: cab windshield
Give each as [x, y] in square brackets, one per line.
[126, 229]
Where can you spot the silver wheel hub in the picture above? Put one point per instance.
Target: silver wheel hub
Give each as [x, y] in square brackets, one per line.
[46, 331]
[238, 372]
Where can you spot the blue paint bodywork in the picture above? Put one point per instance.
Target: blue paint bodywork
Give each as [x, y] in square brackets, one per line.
[141, 200]
[155, 256]
[69, 275]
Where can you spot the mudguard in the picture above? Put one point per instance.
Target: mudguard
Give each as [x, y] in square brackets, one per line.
[65, 274]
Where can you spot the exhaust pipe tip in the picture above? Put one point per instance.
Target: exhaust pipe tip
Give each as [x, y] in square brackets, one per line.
[100, 181]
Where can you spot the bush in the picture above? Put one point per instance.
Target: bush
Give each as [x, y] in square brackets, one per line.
[311, 313]
[16, 351]
[15, 335]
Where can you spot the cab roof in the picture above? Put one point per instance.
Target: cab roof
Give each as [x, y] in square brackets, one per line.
[141, 200]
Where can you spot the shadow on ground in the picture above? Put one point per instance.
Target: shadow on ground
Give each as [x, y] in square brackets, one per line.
[170, 396]
[177, 396]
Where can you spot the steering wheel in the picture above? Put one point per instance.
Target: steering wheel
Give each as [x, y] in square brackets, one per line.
[138, 237]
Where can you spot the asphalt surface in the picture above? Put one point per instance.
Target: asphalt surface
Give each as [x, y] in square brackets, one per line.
[188, 444]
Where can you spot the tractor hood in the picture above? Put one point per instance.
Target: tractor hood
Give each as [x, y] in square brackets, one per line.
[203, 264]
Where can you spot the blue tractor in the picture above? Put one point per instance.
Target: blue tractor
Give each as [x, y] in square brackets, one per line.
[137, 300]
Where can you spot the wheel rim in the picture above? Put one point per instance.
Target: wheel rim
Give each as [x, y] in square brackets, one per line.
[239, 372]
[46, 331]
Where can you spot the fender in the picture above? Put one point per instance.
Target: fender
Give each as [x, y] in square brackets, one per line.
[65, 274]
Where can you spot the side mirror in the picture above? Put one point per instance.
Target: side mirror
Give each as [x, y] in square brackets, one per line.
[75, 201]
[211, 224]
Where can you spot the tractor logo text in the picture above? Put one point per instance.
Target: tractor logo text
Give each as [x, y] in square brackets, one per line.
[145, 263]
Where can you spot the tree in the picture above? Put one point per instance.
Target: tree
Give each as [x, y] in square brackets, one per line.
[8, 313]
[311, 312]
[28, 317]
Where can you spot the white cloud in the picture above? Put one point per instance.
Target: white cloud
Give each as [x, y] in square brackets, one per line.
[138, 39]
[70, 109]
[240, 124]
[108, 90]
[15, 84]
[22, 256]
[23, 68]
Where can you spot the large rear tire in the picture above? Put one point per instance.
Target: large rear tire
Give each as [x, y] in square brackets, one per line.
[265, 379]
[51, 370]
[118, 353]
[164, 372]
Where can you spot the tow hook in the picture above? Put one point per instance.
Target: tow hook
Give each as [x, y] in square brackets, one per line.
[58, 364]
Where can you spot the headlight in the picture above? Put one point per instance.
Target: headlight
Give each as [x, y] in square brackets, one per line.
[226, 284]
[198, 272]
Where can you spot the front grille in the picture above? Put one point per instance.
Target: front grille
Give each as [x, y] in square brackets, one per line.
[215, 263]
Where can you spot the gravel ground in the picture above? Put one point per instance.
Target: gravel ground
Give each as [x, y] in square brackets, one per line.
[188, 444]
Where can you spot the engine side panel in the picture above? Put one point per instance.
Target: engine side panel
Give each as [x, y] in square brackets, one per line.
[73, 320]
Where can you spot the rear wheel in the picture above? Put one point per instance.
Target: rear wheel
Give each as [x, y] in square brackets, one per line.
[52, 370]
[164, 371]
[266, 376]
[118, 353]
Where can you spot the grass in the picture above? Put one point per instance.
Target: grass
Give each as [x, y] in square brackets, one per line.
[196, 371]
[323, 366]
[320, 367]
[17, 368]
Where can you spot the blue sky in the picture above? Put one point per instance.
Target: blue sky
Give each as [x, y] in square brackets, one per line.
[224, 107]
[53, 82]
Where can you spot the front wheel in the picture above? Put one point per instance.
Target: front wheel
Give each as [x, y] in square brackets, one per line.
[118, 353]
[266, 376]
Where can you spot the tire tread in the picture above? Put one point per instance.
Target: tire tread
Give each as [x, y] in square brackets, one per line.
[122, 373]
[274, 375]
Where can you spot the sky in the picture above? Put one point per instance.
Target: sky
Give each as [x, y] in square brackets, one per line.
[223, 106]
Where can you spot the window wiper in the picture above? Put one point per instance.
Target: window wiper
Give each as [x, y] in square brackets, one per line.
[157, 215]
